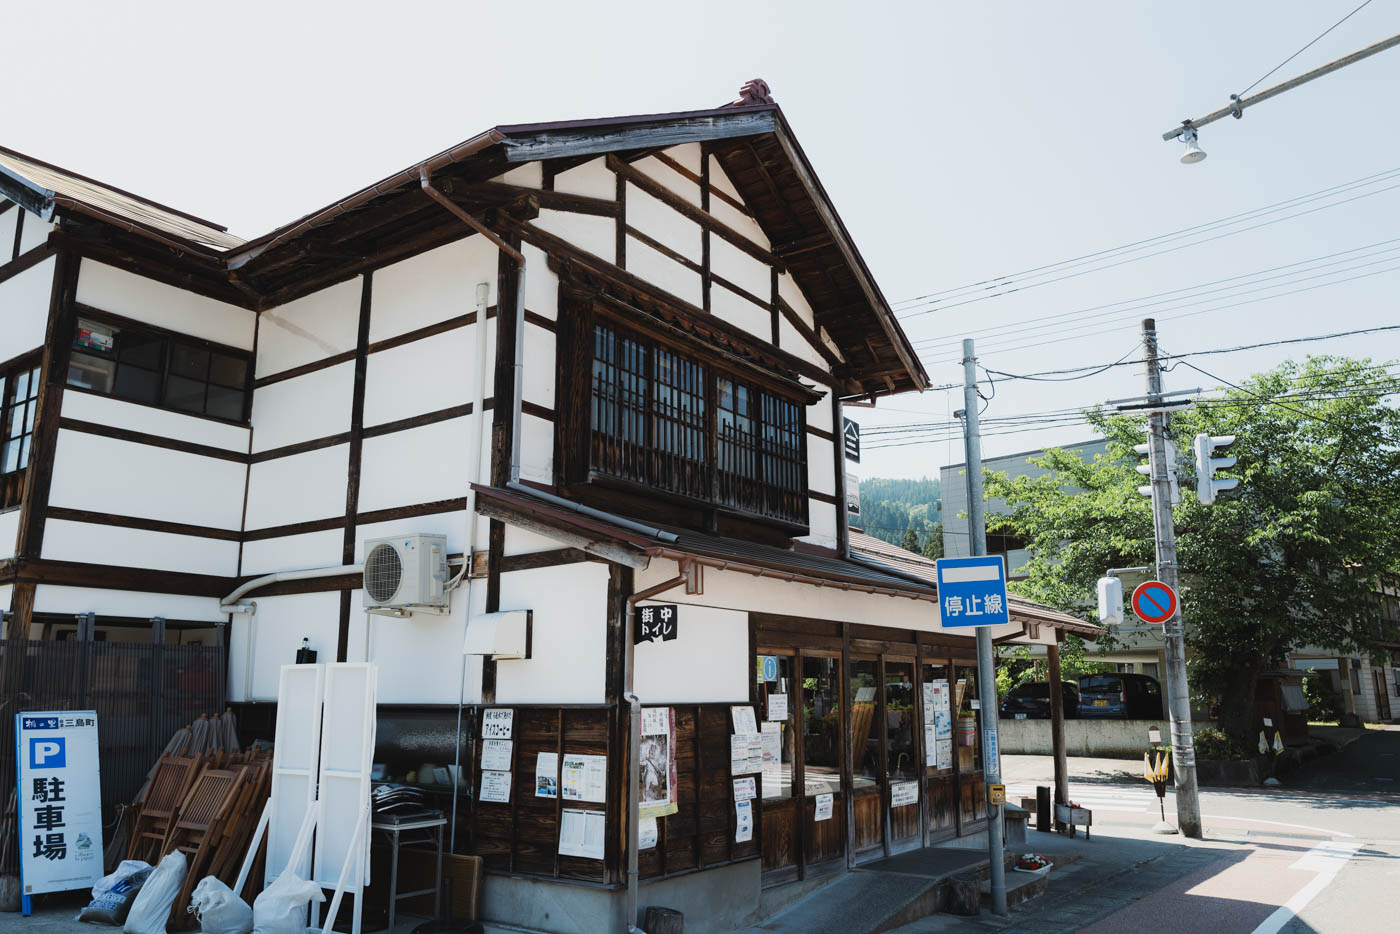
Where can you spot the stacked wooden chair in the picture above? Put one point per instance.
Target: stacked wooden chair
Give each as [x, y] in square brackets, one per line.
[161, 800]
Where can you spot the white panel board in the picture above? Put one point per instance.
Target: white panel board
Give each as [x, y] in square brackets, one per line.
[24, 309]
[662, 271]
[593, 179]
[707, 662]
[422, 376]
[130, 479]
[570, 635]
[123, 293]
[50, 598]
[597, 235]
[138, 548]
[298, 488]
[347, 746]
[321, 325]
[431, 287]
[295, 761]
[420, 465]
[303, 408]
[291, 552]
[9, 532]
[118, 413]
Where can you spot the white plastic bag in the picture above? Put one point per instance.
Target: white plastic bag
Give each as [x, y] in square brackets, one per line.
[220, 911]
[113, 895]
[152, 906]
[281, 907]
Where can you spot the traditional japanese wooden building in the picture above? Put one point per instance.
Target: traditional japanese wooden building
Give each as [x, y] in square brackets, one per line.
[606, 361]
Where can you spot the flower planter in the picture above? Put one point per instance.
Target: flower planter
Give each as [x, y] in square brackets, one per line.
[1043, 870]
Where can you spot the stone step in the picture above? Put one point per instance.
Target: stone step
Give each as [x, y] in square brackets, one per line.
[860, 903]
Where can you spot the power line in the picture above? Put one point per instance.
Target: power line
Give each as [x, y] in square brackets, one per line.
[1304, 48]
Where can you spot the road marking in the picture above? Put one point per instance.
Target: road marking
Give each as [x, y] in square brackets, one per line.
[1326, 860]
[1277, 823]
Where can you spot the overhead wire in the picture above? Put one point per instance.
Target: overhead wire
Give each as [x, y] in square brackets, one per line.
[1303, 49]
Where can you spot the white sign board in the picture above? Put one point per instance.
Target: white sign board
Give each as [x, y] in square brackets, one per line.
[495, 754]
[496, 722]
[60, 801]
[495, 786]
[823, 807]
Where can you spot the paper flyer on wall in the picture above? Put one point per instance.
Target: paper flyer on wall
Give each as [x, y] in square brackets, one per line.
[745, 753]
[744, 789]
[583, 778]
[495, 754]
[944, 754]
[743, 821]
[581, 833]
[930, 746]
[942, 711]
[771, 747]
[744, 721]
[657, 759]
[495, 786]
[547, 775]
[646, 833]
[777, 706]
[903, 794]
[496, 722]
[823, 807]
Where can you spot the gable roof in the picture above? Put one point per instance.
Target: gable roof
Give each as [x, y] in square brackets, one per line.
[394, 218]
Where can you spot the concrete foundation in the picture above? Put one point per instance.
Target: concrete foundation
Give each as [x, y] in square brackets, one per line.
[1114, 739]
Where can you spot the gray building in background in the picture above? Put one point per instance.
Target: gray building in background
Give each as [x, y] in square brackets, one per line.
[954, 480]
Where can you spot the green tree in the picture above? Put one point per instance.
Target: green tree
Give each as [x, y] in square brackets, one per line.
[1289, 559]
[910, 542]
[933, 548]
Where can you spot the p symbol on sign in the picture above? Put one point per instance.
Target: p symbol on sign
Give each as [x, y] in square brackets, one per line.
[47, 753]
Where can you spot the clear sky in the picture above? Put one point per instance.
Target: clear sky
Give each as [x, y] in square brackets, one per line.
[959, 141]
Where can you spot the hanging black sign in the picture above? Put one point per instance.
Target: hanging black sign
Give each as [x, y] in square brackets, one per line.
[659, 621]
[850, 433]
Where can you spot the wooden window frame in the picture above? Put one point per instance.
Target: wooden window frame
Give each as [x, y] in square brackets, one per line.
[12, 481]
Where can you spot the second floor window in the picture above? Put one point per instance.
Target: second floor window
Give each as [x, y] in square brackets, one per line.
[19, 399]
[676, 425]
[131, 362]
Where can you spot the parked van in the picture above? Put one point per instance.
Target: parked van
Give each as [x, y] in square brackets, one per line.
[1032, 700]
[1120, 695]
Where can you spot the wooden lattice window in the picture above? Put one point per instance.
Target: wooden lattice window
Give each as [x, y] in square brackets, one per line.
[19, 400]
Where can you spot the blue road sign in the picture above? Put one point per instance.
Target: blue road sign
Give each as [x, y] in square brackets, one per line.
[1154, 602]
[972, 591]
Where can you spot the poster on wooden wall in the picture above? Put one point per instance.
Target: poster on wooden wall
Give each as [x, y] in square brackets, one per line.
[547, 775]
[495, 786]
[581, 833]
[583, 778]
[822, 809]
[658, 763]
[495, 754]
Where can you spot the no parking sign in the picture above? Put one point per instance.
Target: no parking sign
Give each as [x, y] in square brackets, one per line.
[1154, 602]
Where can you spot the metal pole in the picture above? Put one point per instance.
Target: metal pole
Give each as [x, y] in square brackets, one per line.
[1238, 106]
[986, 663]
[1188, 805]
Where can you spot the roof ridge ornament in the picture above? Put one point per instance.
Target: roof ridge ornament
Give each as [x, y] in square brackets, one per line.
[754, 91]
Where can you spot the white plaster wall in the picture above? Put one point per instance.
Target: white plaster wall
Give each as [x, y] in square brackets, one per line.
[7, 227]
[592, 179]
[597, 235]
[452, 524]
[661, 222]
[35, 232]
[529, 175]
[821, 465]
[420, 657]
[419, 465]
[118, 413]
[724, 212]
[732, 263]
[24, 308]
[688, 155]
[303, 408]
[9, 532]
[293, 552]
[707, 662]
[540, 371]
[138, 548]
[794, 343]
[263, 643]
[819, 415]
[299, 488]
[541, 285]
[130, 479]
[50, 598]
[821, 522]
[122, 293]
[664, 272]
[739, 311]
[6, 590]
[431, 287]
[536, 449]
[569, 642]
[320, 325]
[791, 293]
[524, 542]
[422, 376]
[663, 173]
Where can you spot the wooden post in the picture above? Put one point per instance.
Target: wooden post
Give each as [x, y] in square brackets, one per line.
[1057, 724]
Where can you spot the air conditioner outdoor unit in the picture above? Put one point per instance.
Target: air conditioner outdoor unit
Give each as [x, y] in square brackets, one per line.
[406, 574]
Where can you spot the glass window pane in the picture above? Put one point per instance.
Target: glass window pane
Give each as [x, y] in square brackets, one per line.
[821, 725]
[94, 337]
[969, 729]
[901, 746]
[137, 384]
[938, 718]
[769, 693]
[227, 371]
[187, 361]
[182, 393]
[9, 456]
[225, 403]
[91, 372]
[865, 739]
[141, 349]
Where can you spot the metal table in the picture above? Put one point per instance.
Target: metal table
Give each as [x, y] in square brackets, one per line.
[427, 830]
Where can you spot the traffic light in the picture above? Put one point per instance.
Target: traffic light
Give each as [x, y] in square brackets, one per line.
[1207, 485]
[1146, 470]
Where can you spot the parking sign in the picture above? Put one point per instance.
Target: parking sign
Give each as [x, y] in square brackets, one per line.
[60, 801]
[972, 591]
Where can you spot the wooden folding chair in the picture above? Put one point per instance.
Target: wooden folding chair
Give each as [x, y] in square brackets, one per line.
[198, 828]
[167, 790]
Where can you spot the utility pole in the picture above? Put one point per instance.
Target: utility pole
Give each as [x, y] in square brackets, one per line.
[986, 663]
[1188, 805]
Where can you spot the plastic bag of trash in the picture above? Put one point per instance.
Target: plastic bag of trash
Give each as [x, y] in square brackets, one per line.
[113, 895]
[152, 906]
[220, 911]
[281, 907]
